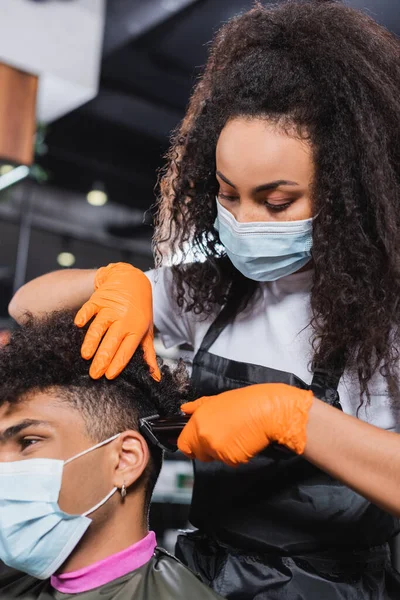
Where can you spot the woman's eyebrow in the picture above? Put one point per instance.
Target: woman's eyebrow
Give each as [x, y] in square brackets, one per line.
[225, 179]
[271, 185]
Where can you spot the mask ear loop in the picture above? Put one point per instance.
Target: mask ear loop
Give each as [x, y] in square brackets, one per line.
[91, 510]
[99, 445]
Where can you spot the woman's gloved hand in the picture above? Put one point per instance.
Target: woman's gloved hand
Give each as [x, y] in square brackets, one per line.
[123, 304]
[234, 426]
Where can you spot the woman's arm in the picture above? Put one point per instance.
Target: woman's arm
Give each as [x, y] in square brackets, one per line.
[66, 289]
[117, 299]
[364, 457]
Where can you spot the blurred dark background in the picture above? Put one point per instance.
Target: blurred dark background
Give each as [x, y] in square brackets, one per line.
[88, 199]
[153, 51]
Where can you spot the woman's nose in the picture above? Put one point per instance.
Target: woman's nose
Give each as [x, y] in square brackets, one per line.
[248, 212]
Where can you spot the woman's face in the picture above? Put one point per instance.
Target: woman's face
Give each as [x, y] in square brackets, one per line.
[264, 174]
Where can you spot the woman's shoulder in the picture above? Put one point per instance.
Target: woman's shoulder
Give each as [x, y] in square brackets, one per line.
[175, 323]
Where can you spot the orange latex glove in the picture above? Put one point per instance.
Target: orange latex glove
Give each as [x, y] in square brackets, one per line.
[123, 304]
[234, 426]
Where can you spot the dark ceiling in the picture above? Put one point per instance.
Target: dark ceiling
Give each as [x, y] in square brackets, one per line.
[153, 52]
[146, 78]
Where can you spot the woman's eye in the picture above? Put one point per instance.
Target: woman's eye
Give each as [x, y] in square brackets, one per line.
[277, 207]
[227, 197]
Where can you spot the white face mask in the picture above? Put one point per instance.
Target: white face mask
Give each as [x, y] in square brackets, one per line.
[36, 536]
[265, 251]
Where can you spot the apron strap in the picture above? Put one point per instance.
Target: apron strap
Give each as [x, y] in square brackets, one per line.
[214, 331]
[324, 383]
[330, 376]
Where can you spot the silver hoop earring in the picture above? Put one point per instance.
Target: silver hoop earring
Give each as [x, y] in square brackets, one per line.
[123, 491]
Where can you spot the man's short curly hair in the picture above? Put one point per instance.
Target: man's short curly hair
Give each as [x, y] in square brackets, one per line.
[44, 354]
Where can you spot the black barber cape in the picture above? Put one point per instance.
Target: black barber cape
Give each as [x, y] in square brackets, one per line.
[162, 578]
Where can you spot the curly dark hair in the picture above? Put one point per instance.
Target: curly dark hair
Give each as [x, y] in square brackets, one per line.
[44, 354]
[334, 74]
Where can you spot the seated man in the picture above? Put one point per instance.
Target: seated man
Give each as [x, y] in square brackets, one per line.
[76, 476]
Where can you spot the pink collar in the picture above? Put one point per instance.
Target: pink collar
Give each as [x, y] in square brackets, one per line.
[106, 570]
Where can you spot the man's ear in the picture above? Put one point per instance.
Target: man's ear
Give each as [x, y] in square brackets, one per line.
[132, 458]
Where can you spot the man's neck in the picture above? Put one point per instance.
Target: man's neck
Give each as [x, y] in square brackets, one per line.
[107, 539]
[107, 570]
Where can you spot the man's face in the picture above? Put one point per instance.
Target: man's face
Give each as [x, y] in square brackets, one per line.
[43, 426]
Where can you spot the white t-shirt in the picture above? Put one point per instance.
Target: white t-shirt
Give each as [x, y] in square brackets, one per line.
[273, 332]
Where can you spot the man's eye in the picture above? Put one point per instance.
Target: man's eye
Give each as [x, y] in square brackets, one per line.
[28, 442]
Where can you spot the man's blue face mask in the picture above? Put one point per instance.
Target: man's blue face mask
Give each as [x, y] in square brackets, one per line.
[36, 536]
[265, 251]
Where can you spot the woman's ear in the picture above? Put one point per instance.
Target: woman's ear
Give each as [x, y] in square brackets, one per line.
[132, 460]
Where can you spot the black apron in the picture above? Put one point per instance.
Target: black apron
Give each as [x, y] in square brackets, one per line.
[278, 527]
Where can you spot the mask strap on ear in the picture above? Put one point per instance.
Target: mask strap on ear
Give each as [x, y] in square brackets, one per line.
[99, 445]
[88, 512]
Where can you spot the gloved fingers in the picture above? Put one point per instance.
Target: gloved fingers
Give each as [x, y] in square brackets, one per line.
[184, 441]
[184, 447]
[123, 355]
[112, 340]
[239, 458]
[203, 456]
[101, 274]
[199, 454]
[150, 355]
[189, 444]
[85, 313]
[203, 452]
[190, 407]
[94, 334]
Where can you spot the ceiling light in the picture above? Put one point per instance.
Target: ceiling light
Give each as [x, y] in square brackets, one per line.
[97, 195]
[97, 198]
[66, 259]
[4, 169]
[13, 176]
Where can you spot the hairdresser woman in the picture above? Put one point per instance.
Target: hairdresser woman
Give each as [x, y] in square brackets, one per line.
[285, 177]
